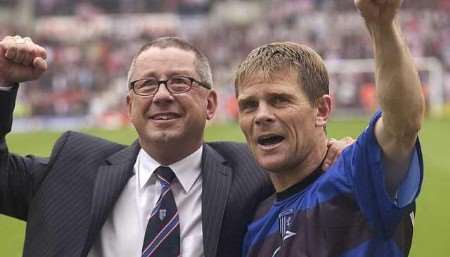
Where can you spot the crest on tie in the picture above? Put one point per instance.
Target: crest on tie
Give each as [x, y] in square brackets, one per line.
[285, 220]
[162, 214]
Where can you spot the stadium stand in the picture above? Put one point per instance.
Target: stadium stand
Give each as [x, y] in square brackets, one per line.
[91, 43]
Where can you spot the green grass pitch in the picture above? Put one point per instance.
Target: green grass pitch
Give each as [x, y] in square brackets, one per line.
[432, 227]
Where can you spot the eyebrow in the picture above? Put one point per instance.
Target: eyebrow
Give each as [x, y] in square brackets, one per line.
[169, 74]
[286, 95]
[274, 93]
[245, 98]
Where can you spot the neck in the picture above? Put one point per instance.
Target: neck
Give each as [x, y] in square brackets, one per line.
[293, 175]
[168, 154]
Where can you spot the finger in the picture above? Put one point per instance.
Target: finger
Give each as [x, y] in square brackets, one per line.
[28, 52]
[37, 49]
[20, 55]
[326, 165]
[331, 141]
[32, 51]
[11, 51]
[40, 51]
[329, 158]
[349, 140]
[21, 47]
[2, 51]
[3, 44]
[39, 66]
[8, 44]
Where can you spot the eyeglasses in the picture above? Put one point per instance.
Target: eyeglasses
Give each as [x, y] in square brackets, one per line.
[175, 85]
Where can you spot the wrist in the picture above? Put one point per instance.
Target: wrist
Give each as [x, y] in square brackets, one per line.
[5, 85]
[384, 35]
[382, 28]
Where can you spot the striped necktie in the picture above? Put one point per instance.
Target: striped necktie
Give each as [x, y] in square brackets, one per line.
[162, 236]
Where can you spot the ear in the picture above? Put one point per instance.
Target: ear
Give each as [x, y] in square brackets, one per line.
[211, 104]
[323, 105]
[129, 105]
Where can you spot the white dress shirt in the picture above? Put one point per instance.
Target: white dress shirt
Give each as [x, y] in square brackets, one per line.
[122, 235]
[5, 88]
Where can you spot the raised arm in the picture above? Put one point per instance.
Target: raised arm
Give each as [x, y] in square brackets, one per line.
[398, 87]
[20, 60]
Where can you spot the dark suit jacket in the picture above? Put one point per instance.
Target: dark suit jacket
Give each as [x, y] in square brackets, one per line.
[66, 198]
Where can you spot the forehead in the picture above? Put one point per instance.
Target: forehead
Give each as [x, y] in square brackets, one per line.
[284, 81]
[156, 61]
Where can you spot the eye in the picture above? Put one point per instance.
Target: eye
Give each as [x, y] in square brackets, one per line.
[248, 105]
[179, 81]
[179, 84]
[279, 100]
[145, 86]
[146, 83]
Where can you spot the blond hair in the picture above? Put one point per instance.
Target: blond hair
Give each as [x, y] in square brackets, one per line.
[280, 56]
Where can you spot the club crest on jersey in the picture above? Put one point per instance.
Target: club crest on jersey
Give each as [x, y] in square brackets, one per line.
[162, 214]
[285, 220]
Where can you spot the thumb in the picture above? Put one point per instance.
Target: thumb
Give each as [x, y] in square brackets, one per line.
[39, 66]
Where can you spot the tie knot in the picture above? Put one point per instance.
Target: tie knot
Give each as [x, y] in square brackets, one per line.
[165, 173]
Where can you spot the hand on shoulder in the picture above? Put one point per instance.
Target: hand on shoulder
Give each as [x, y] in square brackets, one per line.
[335, 148]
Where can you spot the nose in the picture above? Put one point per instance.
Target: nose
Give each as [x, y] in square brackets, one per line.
[162, 96]
[264, 115]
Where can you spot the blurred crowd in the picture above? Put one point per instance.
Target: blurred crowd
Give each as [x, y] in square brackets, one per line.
[90, 48]
[69, 7]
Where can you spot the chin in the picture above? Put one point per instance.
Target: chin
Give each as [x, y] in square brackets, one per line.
[271, 165]
[163, 136]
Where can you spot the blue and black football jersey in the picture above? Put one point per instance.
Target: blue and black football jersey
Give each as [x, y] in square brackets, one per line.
[343, 212]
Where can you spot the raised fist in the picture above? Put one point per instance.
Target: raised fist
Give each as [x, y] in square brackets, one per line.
[21, 60]
[380, 12]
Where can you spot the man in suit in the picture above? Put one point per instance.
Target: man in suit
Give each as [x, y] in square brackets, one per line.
[95, 198]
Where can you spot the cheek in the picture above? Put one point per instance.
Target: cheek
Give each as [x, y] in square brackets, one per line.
[195, 103]
[297, 132]
[135, 116]
[245, 124]
[142, 105]
[139, 109]
[303, 132]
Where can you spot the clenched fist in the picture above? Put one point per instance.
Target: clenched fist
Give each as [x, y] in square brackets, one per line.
[381, 12]
[21, 60]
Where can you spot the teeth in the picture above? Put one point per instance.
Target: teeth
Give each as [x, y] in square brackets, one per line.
[270, 139]
[165, 116]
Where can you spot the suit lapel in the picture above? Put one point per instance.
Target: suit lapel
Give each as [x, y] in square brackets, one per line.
[110, 181]
[113, 176]
[217, 179]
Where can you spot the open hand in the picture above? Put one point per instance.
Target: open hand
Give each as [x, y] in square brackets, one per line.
[21, 60]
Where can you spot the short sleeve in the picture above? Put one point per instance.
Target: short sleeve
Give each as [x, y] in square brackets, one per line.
[367, 175]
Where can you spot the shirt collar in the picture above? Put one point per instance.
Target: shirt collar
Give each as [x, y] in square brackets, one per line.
[187, 170]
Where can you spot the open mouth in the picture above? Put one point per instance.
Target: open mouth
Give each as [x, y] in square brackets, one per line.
[165, 116]
[269, 140]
